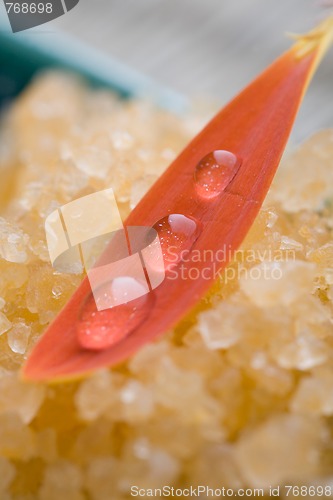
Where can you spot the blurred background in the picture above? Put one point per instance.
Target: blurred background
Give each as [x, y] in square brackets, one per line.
[202, 49]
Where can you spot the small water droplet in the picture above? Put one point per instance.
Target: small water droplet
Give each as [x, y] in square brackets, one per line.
[101, 329]
[177, 234]
[214, 172]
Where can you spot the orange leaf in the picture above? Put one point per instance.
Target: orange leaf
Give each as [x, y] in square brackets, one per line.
[254, 127]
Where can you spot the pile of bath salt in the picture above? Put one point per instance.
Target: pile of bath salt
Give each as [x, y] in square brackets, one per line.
[238, 395]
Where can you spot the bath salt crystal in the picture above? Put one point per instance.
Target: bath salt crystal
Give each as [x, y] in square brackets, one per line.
[283, 448]
[71, 179]
[140, 188]
[31, 195]
[146, 465]
[287, 243]
[18, 337]
[95, 395]
[13, 242]
[147, 360]
[272, 218]
[137, 401]
[101, 479]
[323, 256]
[215, 466]
[19, 398]
[62, 479]
[314, 395]
[183, 392]
[122, 140]
[7, 474]
[163, 468]
[272, 283]
[296, 187]
[270, 377]
[303, 353]
[2, 303]
[39, 248]
[176, 388]
[220, 328]
[17, 441]
[5, 324]
[93, 160]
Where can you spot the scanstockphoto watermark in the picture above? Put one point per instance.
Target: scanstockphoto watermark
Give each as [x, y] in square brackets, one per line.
[247, 264]
[288, 491]
[202, 491]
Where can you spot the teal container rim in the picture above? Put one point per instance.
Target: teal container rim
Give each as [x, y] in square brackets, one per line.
[30, 52]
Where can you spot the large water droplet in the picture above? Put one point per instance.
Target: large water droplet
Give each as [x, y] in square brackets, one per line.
[100, 329]
[214, 172]
[177, 234]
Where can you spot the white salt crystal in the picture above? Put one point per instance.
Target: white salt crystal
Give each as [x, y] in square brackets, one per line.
[94, 395]
[303, 353]
[285, 447]
[122, 140]
[314, 395]
[5, 324]
[139, 189]
[220, 328]
[18, 337]
[287, 243]
[271, 282]
[20, 398]
[13, 242]
[137, 401]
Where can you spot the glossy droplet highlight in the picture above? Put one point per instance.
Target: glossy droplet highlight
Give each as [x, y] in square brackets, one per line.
[214, 172]
[122, 314]
[177, 234]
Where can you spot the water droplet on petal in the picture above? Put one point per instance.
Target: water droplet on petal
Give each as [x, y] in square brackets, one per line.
[177, 234]
[112, 313]
[214, 172]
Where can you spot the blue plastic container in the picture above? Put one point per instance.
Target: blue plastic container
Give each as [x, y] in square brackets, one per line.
[24, 54]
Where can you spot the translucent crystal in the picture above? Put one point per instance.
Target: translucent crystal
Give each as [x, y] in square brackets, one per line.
[147, 359]
[139, 189]
[272, 217]
[290, 244]
[220, 327]
[102, 478]
[93, 161]
[18, 337]
[137, 401]
[13, 242]
[95, 395]
[62, 479]
[272, 283]
[314, 394]
[266, 458]
[121, 140]
[17, 441]
[5, 324]
[148, 466]
[19, 398]
[303, 353]
[296, 186]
